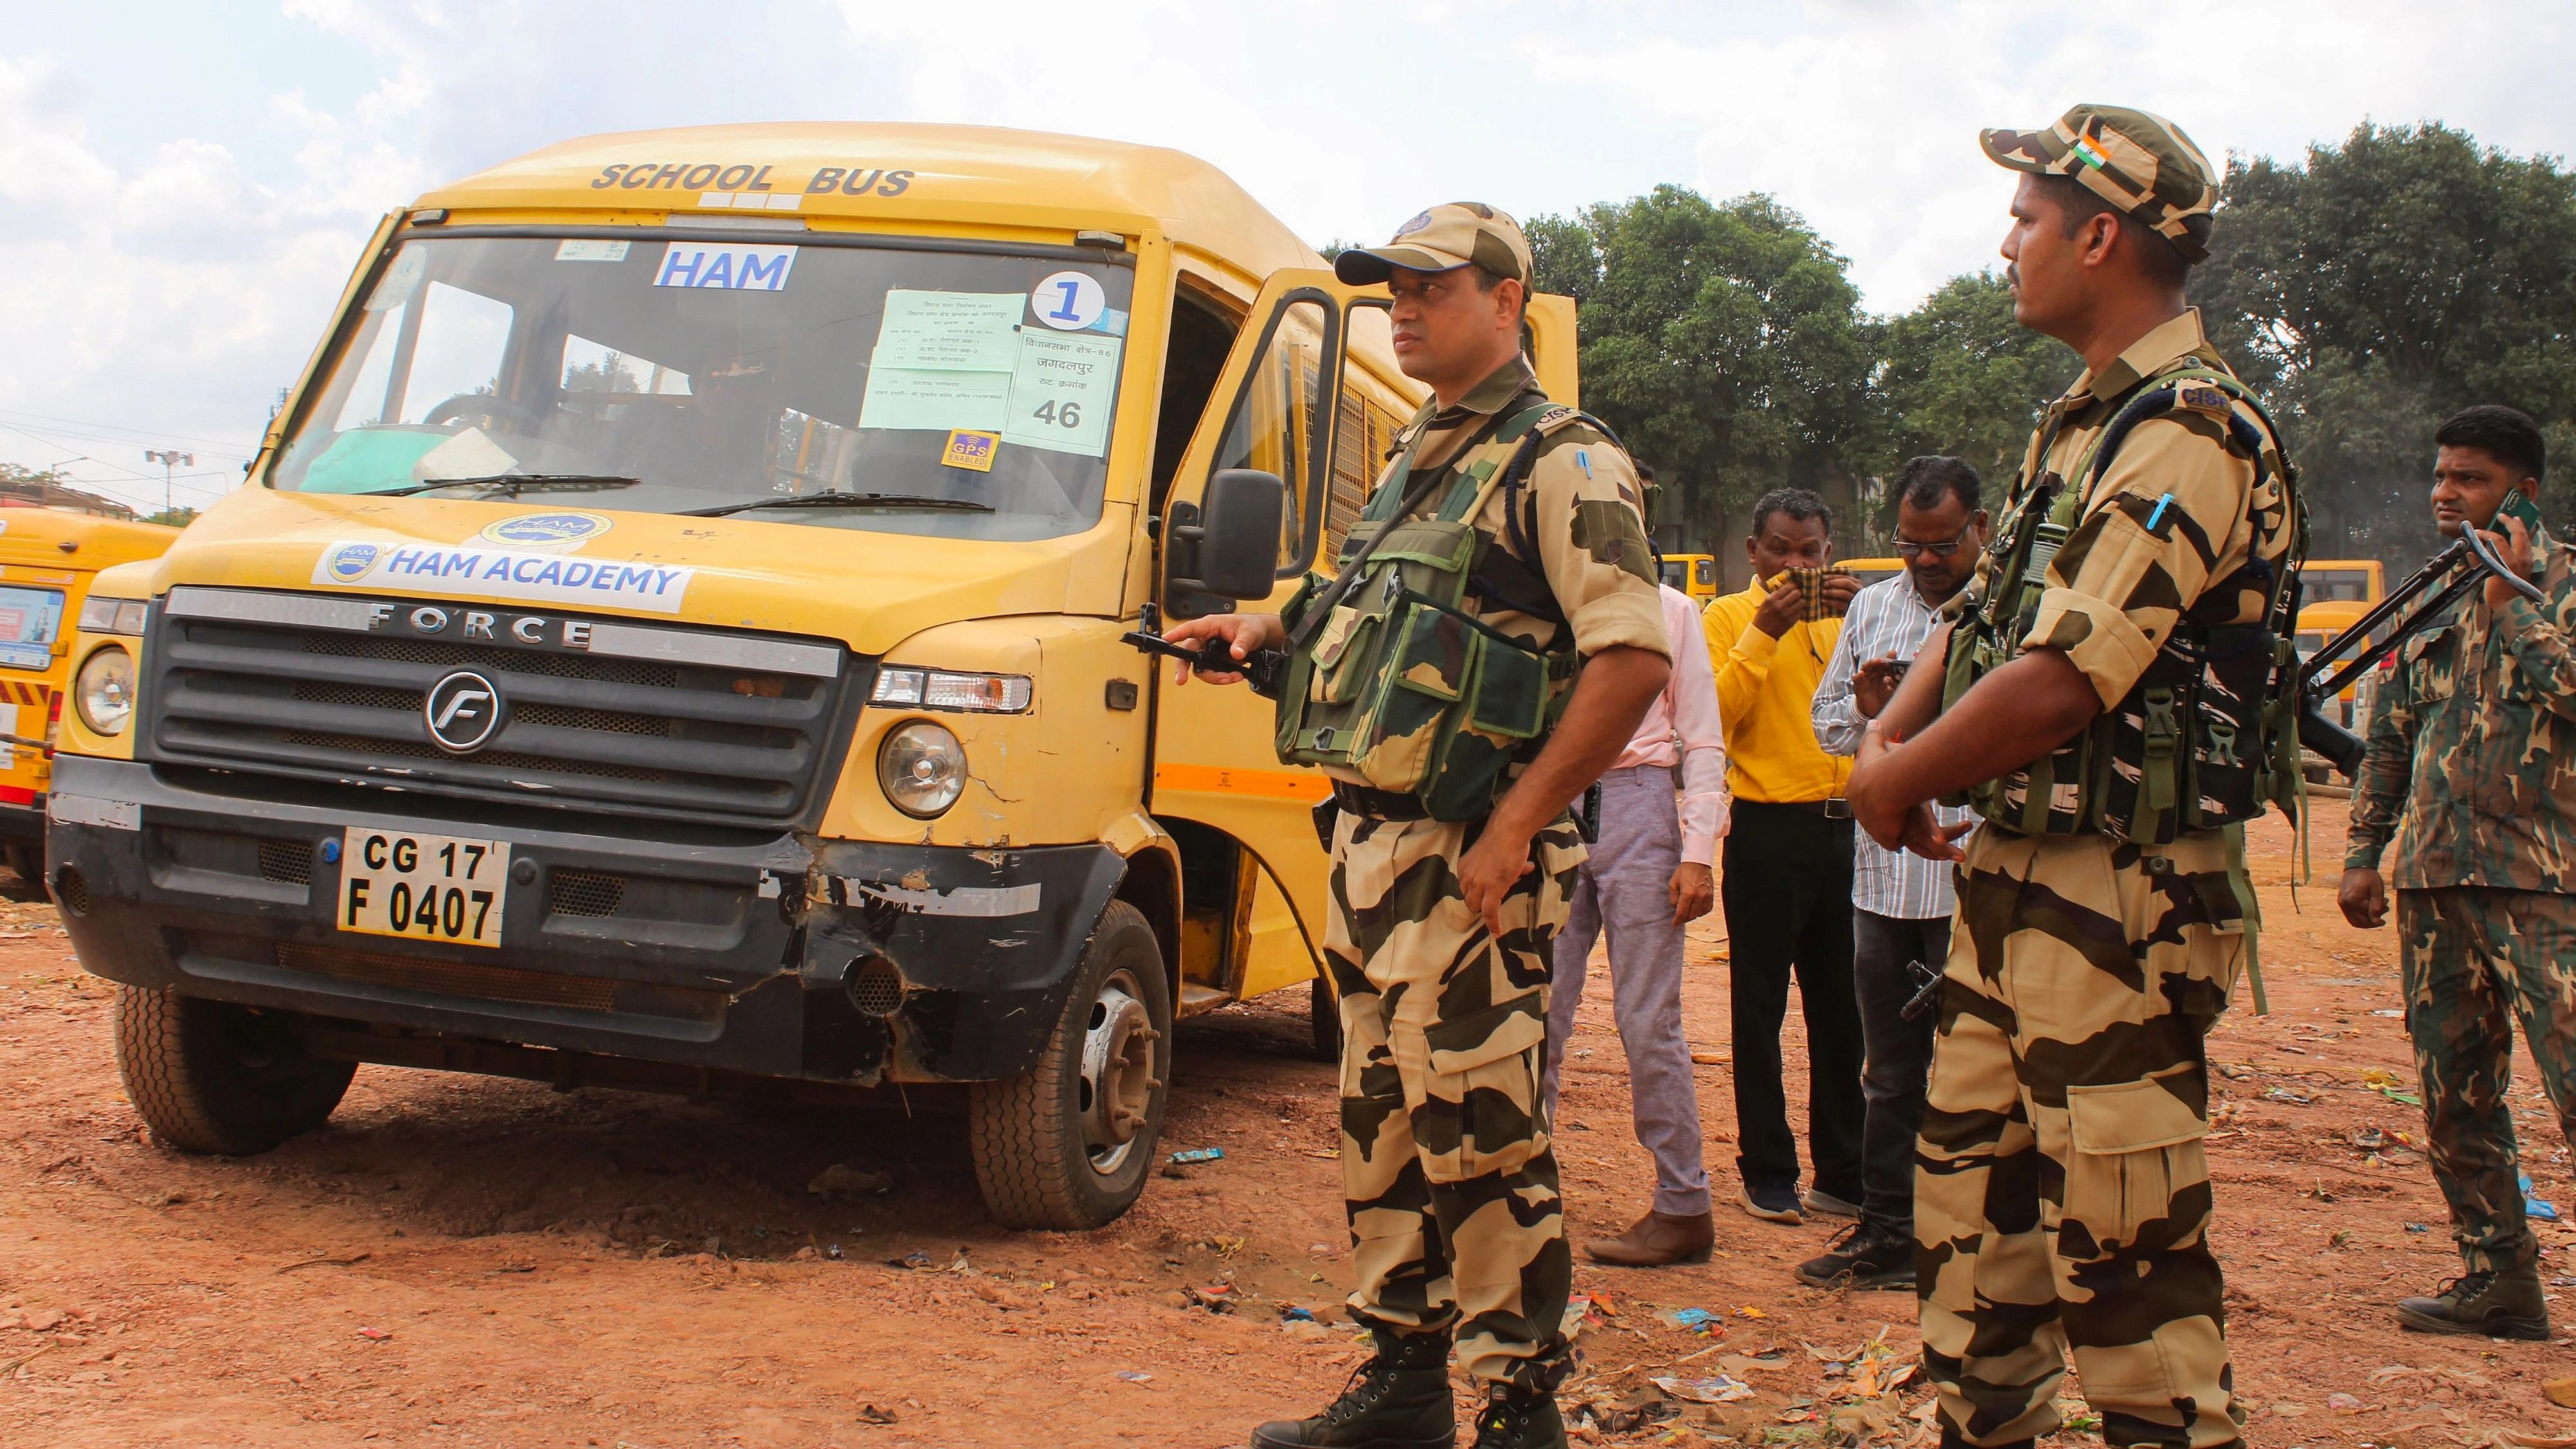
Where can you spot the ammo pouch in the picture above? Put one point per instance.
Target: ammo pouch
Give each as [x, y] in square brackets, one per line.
[1402, 687]
[2208, 734]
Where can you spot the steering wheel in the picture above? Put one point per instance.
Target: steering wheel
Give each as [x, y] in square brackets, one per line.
[468, 404]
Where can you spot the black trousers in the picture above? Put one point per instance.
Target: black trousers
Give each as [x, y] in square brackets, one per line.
[1900, 1055]
[1788, 910]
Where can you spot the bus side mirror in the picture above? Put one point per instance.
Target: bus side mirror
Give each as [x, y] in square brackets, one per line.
[1227, 549]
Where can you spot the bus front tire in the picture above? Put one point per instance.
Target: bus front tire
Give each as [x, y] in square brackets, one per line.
[213, 1077]
[1069, 1143]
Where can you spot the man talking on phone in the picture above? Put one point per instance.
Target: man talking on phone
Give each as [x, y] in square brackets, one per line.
[1900, 901]
[2471, 768]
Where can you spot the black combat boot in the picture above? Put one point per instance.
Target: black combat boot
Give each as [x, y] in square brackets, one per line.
[1397, 1400]
[1868, 1254]
[1516, 1418]
[2489, 1304]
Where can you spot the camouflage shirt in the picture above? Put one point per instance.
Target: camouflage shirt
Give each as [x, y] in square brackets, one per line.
[2168, 534]
[2471, 759]
[1581, 512]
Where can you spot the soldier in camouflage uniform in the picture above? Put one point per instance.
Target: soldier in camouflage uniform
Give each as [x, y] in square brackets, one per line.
[1439, 937]
[2471, 767]
[2062, 1198]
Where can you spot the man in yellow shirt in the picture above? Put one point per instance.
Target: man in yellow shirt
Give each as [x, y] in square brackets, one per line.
[1788, 868]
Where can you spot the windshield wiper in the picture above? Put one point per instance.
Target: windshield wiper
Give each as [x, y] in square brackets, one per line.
[838, 499]
[515, 484]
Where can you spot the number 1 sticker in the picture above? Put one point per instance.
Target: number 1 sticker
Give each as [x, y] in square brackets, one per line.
[1068, 301]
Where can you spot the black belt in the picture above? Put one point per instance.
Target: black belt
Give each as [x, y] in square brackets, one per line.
[1378, 804]
[1836, 808]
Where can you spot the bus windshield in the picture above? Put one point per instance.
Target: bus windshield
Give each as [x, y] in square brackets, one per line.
[931, 392]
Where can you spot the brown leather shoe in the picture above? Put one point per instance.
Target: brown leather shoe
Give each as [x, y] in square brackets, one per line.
[1657, 1239]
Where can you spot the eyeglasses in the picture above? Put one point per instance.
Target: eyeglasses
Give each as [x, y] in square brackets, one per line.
[1908, 548]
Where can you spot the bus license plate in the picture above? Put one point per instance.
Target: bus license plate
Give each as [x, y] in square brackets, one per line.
[426, 887]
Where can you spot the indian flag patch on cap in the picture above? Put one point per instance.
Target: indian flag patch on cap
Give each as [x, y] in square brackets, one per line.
[2090, 154]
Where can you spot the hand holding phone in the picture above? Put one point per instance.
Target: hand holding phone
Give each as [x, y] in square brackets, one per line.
[2517, 549]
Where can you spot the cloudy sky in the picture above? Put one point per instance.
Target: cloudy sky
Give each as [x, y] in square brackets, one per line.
[184, 185]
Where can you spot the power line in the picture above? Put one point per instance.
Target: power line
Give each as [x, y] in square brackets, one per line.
[139, 434]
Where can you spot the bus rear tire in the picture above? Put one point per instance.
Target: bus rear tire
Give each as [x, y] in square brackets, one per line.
[213, 1077]
[1069, 1143]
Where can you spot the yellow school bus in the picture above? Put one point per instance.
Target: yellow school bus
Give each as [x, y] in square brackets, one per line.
[2334, 594]
[52, 545]
[1694, 574]
[673, 640]
[1871, 570]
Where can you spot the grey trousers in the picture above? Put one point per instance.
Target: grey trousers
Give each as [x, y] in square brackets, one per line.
[1625, 890]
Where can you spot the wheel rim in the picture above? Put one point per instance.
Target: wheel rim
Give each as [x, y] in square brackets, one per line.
[1117, 1073]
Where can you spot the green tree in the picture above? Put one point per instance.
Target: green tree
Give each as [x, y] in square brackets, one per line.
[2382, 285]
[1724, 342]
[18, 475]
[1958, 375]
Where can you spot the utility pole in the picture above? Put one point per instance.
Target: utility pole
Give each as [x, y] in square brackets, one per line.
[170, 463]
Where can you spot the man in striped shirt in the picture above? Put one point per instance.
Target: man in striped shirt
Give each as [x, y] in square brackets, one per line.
[1901, 902]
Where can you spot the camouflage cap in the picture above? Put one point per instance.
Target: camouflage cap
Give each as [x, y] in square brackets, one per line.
[2136, 160]
[1452, 234]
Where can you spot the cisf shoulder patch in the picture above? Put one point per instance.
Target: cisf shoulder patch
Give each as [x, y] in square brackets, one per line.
[2207, 400]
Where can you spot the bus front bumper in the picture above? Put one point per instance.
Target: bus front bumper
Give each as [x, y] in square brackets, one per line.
[793, 956]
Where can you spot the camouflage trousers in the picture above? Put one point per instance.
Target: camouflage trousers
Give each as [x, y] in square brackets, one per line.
[1447, 1171]
[2475, 958]
[2061, 1200]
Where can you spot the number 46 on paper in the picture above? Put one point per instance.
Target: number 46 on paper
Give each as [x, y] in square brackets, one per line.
[1061, 392]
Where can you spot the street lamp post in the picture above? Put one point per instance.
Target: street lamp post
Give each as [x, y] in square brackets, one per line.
[170, 463]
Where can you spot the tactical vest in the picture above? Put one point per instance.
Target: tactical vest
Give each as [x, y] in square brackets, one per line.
[2209, 732]
[1399, 684]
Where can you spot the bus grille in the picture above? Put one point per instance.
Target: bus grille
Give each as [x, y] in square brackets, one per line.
[692, 737]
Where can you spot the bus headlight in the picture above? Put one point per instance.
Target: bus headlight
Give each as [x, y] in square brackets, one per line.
[922, 768]
[105, 690]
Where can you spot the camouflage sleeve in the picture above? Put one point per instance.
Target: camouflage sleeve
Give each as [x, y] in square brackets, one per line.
[1596, 558]
[2171, 508]
[2537, 641]
[2387, 770]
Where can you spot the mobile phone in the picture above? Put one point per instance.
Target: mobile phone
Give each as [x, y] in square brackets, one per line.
[2517, 504]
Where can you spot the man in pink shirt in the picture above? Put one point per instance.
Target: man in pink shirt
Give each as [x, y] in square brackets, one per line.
[1649, 874]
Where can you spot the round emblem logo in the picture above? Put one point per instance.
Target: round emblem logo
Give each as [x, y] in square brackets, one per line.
[350, 561]
[463, 711]
[540, 529]
[1420, 220]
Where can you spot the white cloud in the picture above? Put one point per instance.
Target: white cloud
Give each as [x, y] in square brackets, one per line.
[175, 283]
[1864, 116]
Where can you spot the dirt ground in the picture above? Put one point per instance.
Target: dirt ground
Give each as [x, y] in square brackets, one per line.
[457, 1260]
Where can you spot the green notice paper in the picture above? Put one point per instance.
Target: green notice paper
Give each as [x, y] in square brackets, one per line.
[949, 331]
[919, 397]
[1061, 392]
[364, 460]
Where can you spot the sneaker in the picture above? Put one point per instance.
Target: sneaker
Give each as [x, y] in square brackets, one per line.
[1772, 1203]
[1864, 1255]
[1519, 1419]
[1397, 1400]
[2488, 1304]
[1820, 1203]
